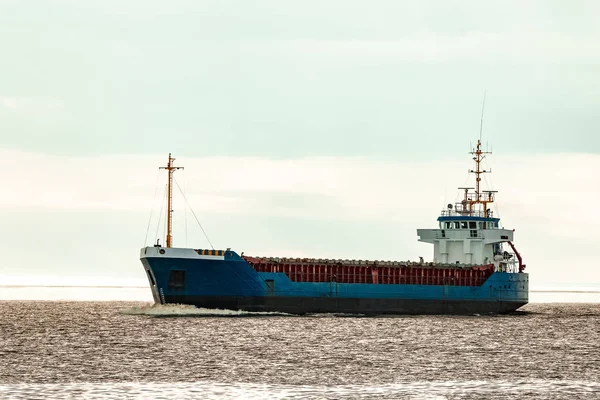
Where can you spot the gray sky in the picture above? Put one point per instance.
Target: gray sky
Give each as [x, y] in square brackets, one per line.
[332, 94]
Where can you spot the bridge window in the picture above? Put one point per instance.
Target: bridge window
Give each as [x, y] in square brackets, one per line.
[463, 225]
[448, 225]
[457, 225]
[472, 225]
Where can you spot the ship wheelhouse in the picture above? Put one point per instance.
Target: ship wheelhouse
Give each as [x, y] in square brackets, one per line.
[471, 223]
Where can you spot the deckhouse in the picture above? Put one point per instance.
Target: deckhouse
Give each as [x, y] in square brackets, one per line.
[468, 232]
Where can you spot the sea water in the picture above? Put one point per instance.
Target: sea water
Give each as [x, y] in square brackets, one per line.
[115, 349]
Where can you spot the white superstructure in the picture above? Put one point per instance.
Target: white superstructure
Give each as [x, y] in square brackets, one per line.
[468, 233]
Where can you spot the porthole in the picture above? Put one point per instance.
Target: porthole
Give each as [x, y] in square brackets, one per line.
[162, 251]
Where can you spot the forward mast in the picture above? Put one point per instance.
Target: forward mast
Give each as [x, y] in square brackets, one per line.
[170, 169]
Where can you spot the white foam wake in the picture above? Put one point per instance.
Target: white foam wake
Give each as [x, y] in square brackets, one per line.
[186, 310]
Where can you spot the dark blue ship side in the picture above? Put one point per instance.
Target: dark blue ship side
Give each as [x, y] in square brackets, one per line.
[228, 281]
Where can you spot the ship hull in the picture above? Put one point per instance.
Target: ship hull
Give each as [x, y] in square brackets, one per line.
[362, 306]
[227, 281]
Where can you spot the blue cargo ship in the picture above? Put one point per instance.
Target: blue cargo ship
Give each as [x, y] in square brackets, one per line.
[472, 271]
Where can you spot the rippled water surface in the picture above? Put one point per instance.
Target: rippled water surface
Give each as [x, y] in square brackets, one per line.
[128, 350]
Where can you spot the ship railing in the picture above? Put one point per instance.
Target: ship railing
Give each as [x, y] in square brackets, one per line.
[507, 267]
[465, 213]
[508, 263]
[487, 196]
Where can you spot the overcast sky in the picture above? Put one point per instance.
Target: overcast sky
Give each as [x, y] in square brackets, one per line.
[317, 128]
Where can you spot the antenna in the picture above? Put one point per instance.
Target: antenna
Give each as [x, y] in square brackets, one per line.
[482, 109]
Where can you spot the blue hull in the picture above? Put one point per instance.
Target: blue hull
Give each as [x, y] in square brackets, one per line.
[229, 282]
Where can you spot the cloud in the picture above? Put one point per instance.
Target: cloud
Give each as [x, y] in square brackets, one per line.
[341, 187]
[9, 102]
[548, 199]
[33, 105]
[515, 47]
[346, 188]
